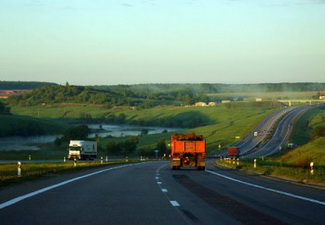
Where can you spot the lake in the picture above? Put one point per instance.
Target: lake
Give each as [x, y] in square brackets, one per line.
[31, 142]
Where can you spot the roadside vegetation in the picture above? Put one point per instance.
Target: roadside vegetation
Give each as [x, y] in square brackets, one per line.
[310, 126]
[31, 171]
[271, 167]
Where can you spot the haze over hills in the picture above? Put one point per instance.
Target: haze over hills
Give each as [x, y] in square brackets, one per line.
[174, 87]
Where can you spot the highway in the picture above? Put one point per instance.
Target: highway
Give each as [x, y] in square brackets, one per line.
[152, 193]
[279, 125]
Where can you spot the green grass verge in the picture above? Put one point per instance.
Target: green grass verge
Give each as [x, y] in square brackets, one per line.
[302, 156]
[278, 169]
[294, 164]
[31, 171]
[306, 123]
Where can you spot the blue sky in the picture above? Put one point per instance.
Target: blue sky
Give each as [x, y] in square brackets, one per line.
[105, 42]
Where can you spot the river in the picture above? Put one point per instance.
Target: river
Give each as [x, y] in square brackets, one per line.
[32, 142]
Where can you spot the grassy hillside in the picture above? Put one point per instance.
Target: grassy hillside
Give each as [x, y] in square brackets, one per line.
[311, 152]
[15, 125]
[304, 126]
[219, 124]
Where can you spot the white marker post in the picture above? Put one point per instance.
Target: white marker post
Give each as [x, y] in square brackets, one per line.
[312, 168]
[30, 157]
[75, 162]
[101, 160]
[254, 163]
[106, 159]
[19, 169]
[64, 160]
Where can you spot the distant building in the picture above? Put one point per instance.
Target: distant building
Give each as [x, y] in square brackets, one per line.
[225, 101]
[212, 104]
[200, 104]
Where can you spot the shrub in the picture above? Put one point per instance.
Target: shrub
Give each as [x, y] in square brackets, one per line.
[303, 161]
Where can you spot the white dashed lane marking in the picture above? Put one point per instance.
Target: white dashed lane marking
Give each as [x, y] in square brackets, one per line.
[175, 203]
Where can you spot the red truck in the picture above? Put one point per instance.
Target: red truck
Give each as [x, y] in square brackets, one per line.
[187, 150]
[233, 152]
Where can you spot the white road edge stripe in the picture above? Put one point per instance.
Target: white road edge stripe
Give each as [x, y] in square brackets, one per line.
[174, 203]
[20, 198]
[267, 189]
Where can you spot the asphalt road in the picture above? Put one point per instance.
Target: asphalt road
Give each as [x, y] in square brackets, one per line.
[281, 134]
[263, 129]
[152, 193]
[282, 122]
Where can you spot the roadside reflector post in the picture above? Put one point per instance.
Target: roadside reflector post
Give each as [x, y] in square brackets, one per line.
[126, 159]
[312, 168]
[30, 157]
[101, 160]
[64, 160]
[19, 169]
[106, 159]
[75, 162]
[237, 161]
[254, 163]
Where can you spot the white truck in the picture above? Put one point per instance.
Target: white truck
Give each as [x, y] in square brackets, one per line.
[80, 149]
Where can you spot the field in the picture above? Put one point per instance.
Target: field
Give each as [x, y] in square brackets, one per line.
[219, 124]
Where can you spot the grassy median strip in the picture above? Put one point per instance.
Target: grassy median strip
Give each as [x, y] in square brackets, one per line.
[29, 171]
[278, 169]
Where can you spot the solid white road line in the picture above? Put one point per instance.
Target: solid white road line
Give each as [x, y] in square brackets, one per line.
[267, 189]
[20, 198]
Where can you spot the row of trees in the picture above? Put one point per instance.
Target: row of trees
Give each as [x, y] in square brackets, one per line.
[74, 133]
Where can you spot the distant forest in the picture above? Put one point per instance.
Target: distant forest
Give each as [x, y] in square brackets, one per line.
[207, 88]
[21, 85]
[110, 97]
[204, 88]
[140, 95]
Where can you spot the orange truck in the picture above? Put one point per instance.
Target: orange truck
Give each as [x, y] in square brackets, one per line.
[233, 152]
[187, 150]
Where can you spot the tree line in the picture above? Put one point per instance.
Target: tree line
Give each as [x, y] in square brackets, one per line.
[108, 97]
[23, 85]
